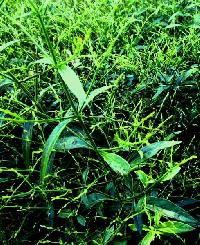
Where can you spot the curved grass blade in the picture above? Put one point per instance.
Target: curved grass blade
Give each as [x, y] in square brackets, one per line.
[49, 147]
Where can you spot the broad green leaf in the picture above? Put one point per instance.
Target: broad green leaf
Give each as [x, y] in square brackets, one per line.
[170, 210]
[116, 162]
[150, 236]
[151, 150]
[73, 83]
[174, 227]
[108, 235]
[170, 173]
[5, 45]
[94, 93]
[70, 142]
[49, 147]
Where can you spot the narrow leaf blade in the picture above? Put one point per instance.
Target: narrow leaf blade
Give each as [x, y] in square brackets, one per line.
[150, 236]
[70, 142]
[49, 146]
[73, 83]
[170, 173]
[151, 150]
[174, 227]
[94, 93]
[170, 210]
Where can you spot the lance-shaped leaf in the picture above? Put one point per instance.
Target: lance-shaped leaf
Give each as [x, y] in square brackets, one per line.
[169, 209]
[117, 163]
[49, 147]
[70, 142]
[151, 150]
[73, 83]
[174, 227]
[170, 173]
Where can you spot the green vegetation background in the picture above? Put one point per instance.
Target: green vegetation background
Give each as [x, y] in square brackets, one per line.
[147, 54]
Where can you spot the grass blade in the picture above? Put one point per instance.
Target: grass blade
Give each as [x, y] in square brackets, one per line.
[49, 147]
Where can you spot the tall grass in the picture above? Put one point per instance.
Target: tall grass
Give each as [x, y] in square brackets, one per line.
[99, 118]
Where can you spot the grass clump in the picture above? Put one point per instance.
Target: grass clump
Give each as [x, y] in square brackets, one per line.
[99, 113]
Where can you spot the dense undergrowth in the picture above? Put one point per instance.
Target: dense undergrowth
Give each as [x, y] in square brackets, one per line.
[99, 112]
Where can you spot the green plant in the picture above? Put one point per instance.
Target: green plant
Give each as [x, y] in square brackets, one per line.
[92, 121]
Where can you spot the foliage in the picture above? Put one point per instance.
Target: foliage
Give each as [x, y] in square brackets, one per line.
[99, 110]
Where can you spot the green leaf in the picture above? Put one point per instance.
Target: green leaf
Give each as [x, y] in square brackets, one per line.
[170, 210]
[94, 93]
[5, 45]
[66, 213]
[150, 236]
[49, 147]
[117, 163]
[159, 90]
[94, 198]
[70, 142]
[174, 227]
[81, 220]
[144, 178]
[170, 173]
[108, 234]
[4, 84]
[151, 150]
[73, 83]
